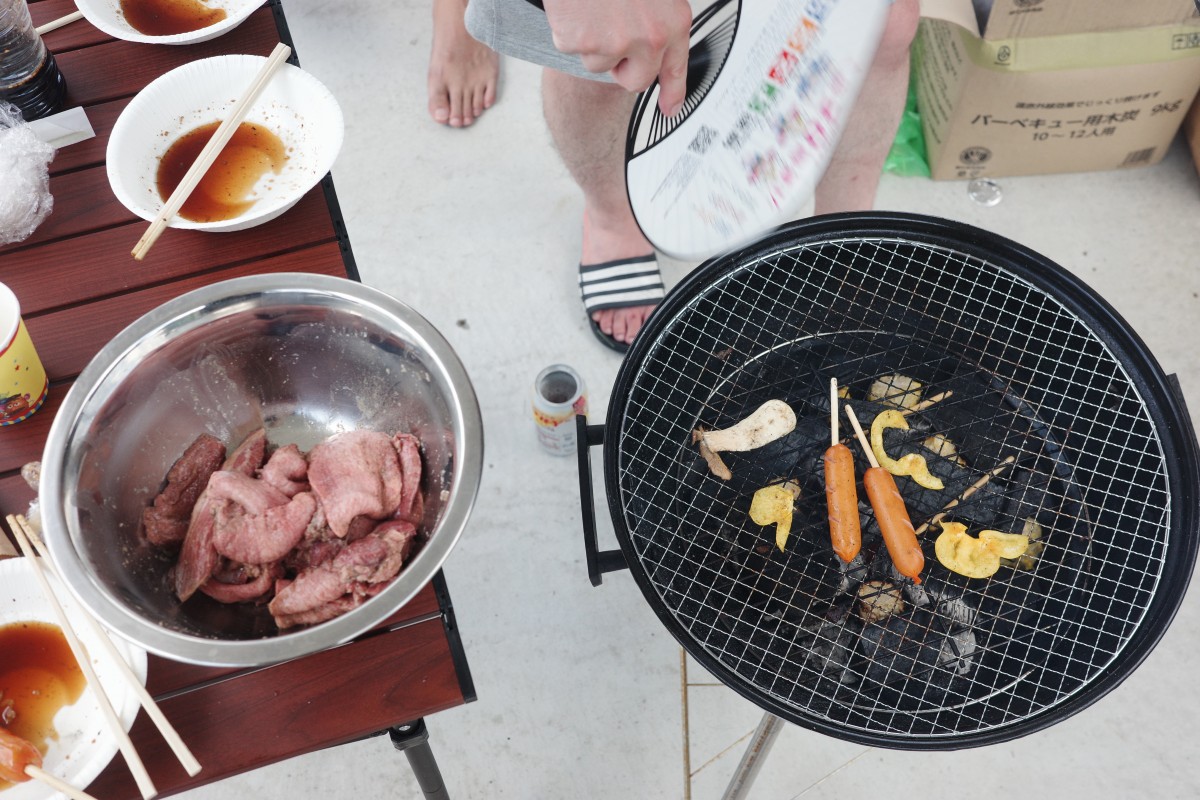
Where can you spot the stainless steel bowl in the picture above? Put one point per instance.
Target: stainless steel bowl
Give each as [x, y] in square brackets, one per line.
[304, 356]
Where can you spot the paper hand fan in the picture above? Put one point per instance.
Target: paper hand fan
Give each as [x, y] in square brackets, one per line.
[770, 85]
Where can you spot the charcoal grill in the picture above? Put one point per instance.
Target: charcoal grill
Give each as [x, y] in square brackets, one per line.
[1040, 369]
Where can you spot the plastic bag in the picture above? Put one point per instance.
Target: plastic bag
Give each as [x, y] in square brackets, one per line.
[25, 199]
[907, 157]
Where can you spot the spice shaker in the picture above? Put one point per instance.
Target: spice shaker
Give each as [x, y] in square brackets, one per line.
[29, 76]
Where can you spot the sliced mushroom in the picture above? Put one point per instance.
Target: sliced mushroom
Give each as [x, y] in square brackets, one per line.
[772, 420]
[1028, 560]
[773, 505]
[896, 390]
[912, 465]
[976, 557]
[942, 446]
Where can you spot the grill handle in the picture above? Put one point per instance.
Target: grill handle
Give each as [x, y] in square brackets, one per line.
[598, 561]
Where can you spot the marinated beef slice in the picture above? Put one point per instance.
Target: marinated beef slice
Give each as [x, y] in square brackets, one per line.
[359, 570]
[166, 521]
[356, 473]
[315, 535]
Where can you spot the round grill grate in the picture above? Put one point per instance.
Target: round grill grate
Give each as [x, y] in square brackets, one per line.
[1039, 371]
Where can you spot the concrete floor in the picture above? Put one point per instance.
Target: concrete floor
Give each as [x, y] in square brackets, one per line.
[580, 687]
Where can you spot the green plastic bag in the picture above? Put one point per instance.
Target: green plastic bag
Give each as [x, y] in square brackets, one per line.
[907, 156]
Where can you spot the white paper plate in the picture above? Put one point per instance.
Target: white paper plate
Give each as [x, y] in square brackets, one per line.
[84, 745]
[295, 106]
[107, 16]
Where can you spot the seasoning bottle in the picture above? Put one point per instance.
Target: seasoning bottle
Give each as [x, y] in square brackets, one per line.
[29, 77]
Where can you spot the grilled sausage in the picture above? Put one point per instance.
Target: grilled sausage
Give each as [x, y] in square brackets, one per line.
[894, 523]
[15, 755]
[845, 532]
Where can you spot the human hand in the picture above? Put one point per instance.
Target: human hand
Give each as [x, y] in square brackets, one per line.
[634, 40]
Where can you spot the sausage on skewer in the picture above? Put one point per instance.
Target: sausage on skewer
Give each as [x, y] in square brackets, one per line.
[890, 513]
[841, 496]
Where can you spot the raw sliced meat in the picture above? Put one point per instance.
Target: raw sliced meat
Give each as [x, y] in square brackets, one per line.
[166, 521]
[261, 538]
[355, 473]
[253, 588]
[286, 470]
[409, 451]
[197, 557]
[251, 494]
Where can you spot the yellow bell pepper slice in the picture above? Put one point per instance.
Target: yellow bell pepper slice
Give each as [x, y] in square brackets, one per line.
[912, 465]
[773, 504]
[976, 557]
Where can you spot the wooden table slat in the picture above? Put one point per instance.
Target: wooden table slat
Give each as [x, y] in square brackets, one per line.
[73, 270]
[324, 691]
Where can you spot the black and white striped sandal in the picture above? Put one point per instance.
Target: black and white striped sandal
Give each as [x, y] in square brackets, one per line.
[622, 283]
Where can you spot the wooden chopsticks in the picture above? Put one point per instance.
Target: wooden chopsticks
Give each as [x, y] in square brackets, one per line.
[54, 25]
[136, 767]
[172, 737]
[57, 784]
[211, 150]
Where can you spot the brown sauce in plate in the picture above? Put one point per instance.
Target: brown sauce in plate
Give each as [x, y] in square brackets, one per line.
[222, 192]
[38, 676]
[168, 17]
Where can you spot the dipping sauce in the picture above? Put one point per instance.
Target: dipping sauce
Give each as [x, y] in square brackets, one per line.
[223, 191]
[168, 17]
[38, 676]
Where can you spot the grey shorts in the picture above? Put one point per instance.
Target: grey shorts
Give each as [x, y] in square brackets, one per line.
[519, 29]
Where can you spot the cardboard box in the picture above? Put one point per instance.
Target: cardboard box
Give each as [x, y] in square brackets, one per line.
[1053, 85]
[1191, 131]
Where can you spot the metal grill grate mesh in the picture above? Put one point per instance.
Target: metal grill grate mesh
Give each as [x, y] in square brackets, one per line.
[1029, 380]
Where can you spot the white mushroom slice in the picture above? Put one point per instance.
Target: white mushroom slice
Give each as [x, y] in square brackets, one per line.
[942, 446]
[772, 420]
[896, 390]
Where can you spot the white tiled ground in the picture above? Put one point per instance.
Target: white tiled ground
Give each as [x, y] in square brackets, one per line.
[579, 687]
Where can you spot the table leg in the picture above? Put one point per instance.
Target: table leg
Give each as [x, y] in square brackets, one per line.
[413, 740]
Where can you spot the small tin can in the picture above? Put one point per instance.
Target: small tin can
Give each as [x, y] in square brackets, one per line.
[23, 382]
[558, 395]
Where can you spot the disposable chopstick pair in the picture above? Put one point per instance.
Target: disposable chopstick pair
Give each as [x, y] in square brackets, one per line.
[172, 737]
[56, 783]
[211, 150]
[55, 24]
[124, 743]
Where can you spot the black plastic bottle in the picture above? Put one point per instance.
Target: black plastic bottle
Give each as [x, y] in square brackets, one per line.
[29, 77]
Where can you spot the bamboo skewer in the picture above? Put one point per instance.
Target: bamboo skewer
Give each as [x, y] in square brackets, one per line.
[56, 783]
[55, 24]
[211, 150]
[924, 404]
[970, 490]
[155, 713]
[833, 413]
[124, 743]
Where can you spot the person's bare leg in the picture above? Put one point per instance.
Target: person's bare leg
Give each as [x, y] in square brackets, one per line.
[588, 120]
[464, 74]
[852, 178]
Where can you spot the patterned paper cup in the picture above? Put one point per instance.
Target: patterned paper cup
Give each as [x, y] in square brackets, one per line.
[23, 382]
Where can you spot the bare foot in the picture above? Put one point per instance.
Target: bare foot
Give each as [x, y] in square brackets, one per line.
[463, 73]
[608, 243]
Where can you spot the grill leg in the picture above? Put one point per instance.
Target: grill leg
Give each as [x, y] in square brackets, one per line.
[760, 744]
[412, 739]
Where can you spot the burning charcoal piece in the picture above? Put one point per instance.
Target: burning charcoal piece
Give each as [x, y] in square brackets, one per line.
[914, 646]
[878, 600]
